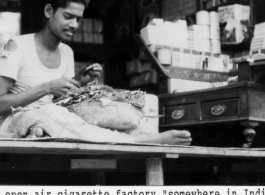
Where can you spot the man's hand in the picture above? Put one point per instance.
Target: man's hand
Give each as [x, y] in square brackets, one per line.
[60, 86]
[92, 72]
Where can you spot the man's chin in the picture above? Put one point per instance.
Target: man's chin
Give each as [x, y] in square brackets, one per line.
[66, 39]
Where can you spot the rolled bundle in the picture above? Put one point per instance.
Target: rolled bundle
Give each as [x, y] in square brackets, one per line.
[203, 18]
[214, 32]
[214, 18]
[164, 56]
[116, 115]
[215, 46]
[205, 31]
[106, 107]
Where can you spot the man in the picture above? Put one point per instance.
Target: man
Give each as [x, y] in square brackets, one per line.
[36, 67]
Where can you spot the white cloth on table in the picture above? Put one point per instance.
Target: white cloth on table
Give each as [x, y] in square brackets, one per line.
[57, 121]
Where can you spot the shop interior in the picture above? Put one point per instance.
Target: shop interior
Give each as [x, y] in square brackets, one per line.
[107, 35]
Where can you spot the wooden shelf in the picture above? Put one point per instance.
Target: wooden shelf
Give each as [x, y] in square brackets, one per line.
[179, 72]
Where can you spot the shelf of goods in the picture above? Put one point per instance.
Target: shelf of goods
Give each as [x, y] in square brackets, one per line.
[176, 79]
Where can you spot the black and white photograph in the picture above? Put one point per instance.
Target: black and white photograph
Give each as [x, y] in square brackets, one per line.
[113, 97]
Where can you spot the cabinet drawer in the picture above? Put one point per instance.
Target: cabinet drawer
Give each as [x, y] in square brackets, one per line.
[179, 113]
[222, 108]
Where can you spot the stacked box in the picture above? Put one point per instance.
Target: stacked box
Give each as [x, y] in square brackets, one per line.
[258, 41]
[136, 66]
[235, 23]
[195, 37]
[146, 78]
[89, 31]
[133, 67]
[159, 32]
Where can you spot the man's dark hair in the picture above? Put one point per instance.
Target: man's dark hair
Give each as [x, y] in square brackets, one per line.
[63, 3]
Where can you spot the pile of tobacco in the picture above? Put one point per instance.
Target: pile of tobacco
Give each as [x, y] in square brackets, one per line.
[98, 92]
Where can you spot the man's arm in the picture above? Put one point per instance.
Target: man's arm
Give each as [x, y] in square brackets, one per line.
[56, 87]
[15, 100]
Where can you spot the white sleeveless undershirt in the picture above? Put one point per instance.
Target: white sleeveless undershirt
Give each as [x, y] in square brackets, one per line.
[24, 66]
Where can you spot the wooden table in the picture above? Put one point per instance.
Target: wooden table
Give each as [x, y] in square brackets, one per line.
[152, 153]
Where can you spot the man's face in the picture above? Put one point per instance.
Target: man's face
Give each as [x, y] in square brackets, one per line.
[65, 21]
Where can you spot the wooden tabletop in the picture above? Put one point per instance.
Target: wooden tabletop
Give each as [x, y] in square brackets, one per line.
[140, 150]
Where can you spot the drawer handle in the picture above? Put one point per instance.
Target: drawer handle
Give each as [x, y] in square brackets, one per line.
[178, 114]
[218, 110]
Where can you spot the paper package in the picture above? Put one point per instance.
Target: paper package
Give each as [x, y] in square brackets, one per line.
[234, 23]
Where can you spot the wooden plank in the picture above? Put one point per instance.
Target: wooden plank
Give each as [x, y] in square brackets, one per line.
[171, 155]
[119, 149]
[93, 164]
[154, 172]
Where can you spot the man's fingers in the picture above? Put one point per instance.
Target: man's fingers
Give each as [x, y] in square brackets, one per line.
[95, 73]
[94, 67]
[97, 68]
[72, 81]
[90, 67]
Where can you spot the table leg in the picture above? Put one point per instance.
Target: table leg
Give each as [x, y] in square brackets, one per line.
[154, 171]
[97, 178]
[249, 133]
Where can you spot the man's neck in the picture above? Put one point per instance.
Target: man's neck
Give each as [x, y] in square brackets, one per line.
[47, 40]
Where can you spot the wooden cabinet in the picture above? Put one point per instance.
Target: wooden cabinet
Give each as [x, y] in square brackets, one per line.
[221, 104]
[241, 103]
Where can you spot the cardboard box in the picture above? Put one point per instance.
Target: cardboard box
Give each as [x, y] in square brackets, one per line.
[87, 25]
[88, 37]
[152, 35]
[149, 77]
[176, 57]
[235, 23]
[196, 59]
[135, 81]
[225, 61]
[78, 36]
[186, 59]
[217, 64]
[133, 66]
